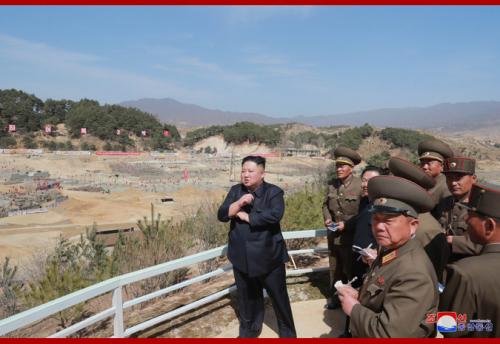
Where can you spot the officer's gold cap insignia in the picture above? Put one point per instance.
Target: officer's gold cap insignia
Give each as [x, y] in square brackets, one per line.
[389, 257]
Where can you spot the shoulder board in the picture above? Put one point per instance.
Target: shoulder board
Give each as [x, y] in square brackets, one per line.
[389, 257]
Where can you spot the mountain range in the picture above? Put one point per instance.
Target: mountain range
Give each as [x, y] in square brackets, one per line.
[444, 116]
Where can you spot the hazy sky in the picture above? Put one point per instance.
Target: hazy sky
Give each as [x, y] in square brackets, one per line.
[280, 61]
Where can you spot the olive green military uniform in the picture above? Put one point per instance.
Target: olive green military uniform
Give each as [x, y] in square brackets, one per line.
[472, 288]
[341, 204]
[473, 283]
[452, 213]
[400, 288]
[464, 247]
[440, 190]
[432, 238]
[436, 150]
[430, 234]
[452, 216]
[397, 295]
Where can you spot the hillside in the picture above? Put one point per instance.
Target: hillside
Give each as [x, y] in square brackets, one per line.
[30, 122]
[445, 117]
[190, 115]
[31, 115]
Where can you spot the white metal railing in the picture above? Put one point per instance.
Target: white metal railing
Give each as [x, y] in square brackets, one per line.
[116, 284]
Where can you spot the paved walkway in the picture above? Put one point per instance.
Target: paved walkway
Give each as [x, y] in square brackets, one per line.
[311, 321]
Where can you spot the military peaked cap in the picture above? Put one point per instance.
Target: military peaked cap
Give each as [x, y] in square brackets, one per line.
[391, 194]
[460, 164]
[484, 199]
[405, 169]
[434, 150]
[344, 155]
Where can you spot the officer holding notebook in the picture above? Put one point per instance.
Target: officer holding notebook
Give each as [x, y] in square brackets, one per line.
[401, 286]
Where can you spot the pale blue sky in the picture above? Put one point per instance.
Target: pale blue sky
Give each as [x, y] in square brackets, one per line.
[281, 61]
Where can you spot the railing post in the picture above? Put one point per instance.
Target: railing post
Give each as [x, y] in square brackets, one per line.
[118, 305]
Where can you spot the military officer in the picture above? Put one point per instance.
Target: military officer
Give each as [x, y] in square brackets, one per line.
[473, 283]
[401, 287]
[429, 233]
[460, 176]
[341, 204]
[432, 154]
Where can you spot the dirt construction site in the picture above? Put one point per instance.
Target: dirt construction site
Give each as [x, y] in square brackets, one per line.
[114, 192]
[47, 194]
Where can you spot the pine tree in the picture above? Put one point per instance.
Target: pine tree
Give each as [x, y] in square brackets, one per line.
[9, 288]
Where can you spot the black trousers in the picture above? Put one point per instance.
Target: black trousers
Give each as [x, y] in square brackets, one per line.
[340, 259]
[251, 302]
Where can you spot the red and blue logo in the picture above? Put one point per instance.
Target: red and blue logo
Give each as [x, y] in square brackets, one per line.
[447, 322]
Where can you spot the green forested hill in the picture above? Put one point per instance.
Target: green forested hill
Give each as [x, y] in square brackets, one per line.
[30, 115]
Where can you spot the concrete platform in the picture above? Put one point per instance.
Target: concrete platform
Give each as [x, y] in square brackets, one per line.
[311, 321]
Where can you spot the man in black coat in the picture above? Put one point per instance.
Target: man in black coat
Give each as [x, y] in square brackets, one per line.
[256, 248]
[363, 235]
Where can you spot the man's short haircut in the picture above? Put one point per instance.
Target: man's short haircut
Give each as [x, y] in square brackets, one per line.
[373, 169]
[256, 159]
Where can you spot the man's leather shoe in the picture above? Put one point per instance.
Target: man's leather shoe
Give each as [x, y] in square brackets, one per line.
[345, 335]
